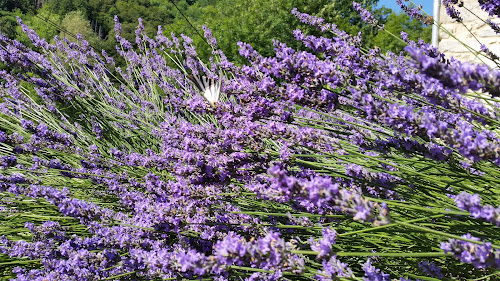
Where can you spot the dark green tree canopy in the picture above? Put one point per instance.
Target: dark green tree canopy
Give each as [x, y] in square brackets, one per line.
[24, 5]
[257, 22]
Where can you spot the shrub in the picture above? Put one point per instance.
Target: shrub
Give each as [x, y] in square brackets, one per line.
[335, 163]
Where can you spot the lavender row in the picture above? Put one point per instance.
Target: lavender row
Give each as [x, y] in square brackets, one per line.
[308, 162]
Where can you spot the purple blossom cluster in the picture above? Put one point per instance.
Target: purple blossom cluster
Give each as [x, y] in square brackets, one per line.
[431, 269]
[455, 74]
[269, 253]
[319, 195]
[480, 255]
[493, 26]
[451, 10]
[324, 245]
[374, 274]
[366, 15]
[334, 268]
[472, 203]
[413, 118]
[414, 12]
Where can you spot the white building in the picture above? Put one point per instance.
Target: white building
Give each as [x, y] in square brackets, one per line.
[472, 31]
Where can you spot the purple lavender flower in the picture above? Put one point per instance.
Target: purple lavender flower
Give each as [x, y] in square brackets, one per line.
[479, 255]
[494, 26]
[231, 249]
[488, 52]
[471, 203]
[210, 38]
[459, 75]
[324, 245]
[405, 37]
[269, 252]
[334, 268]
[8, 161]
[414, 12]
[490, 6]
[451, 10]
[320, 24]
[374, 274]
[320, 194]
[366, 15]
[431, 269]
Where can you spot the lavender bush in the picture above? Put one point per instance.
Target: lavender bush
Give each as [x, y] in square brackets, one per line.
[336, 163]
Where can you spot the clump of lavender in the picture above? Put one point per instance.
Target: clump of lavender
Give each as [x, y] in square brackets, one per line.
[471, 203]
[414, 11]
[309, 160]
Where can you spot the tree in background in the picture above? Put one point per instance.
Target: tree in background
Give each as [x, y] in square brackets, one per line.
[9, 9]
[342, 14]
[257, 22]
[44, 21]
[396, 23]
[62, 7]
[25, 6]
[8, 24]
[75, 22]
[153, 14]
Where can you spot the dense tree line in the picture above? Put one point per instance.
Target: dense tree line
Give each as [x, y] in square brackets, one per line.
[257, 22]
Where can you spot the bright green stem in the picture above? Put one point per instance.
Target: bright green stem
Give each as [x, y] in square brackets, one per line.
[249, 269]
[437, 232]
[372, 254]
[384, 226]
[419, 277]
[406, 206]
[286, 215]
[125, 274]
[19, 262]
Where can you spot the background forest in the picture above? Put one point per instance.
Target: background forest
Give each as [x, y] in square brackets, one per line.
[255, 22]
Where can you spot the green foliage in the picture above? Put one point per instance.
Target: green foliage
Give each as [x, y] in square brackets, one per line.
[62, 7]
[395, 24]
[24, 5]
[257, 22]
[152, 14]
[44, 22]
[8, 24]
[75, 22]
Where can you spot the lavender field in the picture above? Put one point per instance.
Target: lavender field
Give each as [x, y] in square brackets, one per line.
[331, 162]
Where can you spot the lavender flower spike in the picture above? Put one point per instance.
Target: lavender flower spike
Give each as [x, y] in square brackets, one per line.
[481, 256]
[366, 15]
[471, 203]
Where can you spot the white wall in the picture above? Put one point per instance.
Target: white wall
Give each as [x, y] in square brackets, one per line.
[481, 30]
